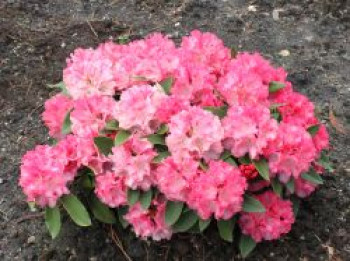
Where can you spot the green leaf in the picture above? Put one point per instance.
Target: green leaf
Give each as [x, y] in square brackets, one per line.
[112, 125]
[313, 129]
[60, 86]
[76, 210]
[312, 177]
[163, 129]
[263, 168]
[173, 211]
[275, 86]
[290, 185]
[251, 204]
[246, 245]
[156, 139]
[296, 205]
[53, 220]
[121, 137]
[67, 124]
[121, 212]
[218, 111]
[231, 161]
[225, 154]
[325, 162]
[276, 115]
[104, 145]
[203, 224]
[225, 228]
[146, 199]
[277, 187]
[102, 212]
[185, 222]
[133, 196]
[276, 105]
[87, 182]
[245, 160]
[161, 156]
[167, 84]
[203, 165]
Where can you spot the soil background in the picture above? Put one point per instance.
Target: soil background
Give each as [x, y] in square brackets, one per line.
[36, 36]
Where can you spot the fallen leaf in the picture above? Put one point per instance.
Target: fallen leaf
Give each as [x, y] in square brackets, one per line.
[336, 124]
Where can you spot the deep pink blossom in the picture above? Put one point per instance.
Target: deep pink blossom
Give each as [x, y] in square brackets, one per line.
[151, 222]
[218, 190]
[276, 221]
[132, 161]
[291, 153]
[175, 180]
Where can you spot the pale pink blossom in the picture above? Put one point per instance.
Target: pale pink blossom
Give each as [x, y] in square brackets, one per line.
[193, 132]
[45, 174]
[89, 73]
[56, 109]
[137, 108]
[219, 191]
[248, 130]
[276, 221]
[110, 188]
[90, 115]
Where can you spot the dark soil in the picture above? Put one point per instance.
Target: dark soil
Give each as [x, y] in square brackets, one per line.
[36, 36]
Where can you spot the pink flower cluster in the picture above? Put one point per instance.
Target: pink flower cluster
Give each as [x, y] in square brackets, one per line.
[183, 119]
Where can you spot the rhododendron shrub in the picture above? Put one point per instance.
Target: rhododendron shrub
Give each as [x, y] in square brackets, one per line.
[172, 139]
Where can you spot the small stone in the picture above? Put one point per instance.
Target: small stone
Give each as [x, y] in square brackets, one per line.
[276, 14]
[177, 24]
[252, 8]
[284, 53]
[302, 238]
[31, 240]
[63, 45]
[93, 258]
[1, 181]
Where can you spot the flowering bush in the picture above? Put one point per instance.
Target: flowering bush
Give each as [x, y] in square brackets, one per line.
[174, 138]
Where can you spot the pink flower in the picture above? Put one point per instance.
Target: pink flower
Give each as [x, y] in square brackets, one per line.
[242, 88]
[275, 222]
[45, 174]
[170, 106]
[90, 115]
[56, 109]
[205, 49]
[138, 106]
[256, 64]
[296, 109]
[89, 73]
[111, 189]
[132, 161]
[291, 153]
[321, 139]
[248, 130]
[303, 188]
[175, 180]
[151, 222]
[218, 191]
[193, 132]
